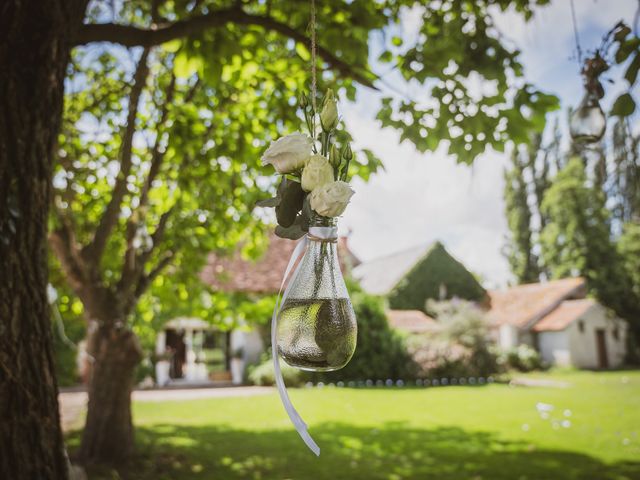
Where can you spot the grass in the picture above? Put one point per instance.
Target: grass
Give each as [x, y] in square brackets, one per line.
[482, 432]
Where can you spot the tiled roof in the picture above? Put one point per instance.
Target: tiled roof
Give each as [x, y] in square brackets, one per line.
[235, 274]
[379, 276]
[524, 305]
[412, 321]
[564, 315]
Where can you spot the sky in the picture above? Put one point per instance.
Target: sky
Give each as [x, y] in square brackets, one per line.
[420, 198]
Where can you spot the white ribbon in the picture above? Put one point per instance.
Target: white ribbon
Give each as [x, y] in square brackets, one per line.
[325, 233]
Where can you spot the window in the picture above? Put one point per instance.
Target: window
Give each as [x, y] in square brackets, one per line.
[616, 334]
[581, 326]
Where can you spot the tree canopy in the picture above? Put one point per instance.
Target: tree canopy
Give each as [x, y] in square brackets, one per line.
[169, 106]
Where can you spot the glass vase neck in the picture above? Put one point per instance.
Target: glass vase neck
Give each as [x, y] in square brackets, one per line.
[320, 221]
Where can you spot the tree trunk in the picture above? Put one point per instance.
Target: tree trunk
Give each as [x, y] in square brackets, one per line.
[34, 50]
[108, 432]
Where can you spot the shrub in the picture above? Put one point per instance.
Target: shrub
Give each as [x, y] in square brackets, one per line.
[461, 347]
[522, 358]
[262, 374]
[381, 352]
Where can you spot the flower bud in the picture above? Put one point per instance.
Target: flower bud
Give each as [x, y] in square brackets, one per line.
[303, 101]
[346, 152]
[329, 113]
[334, 156]
[317, 172]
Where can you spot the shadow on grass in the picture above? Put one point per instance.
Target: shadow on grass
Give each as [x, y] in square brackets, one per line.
[389, 452]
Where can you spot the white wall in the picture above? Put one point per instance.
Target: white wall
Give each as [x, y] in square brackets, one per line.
[555, 348]
[507, 336]
[583, 346]
[250, 341]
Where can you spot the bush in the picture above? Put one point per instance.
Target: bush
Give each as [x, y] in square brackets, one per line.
[262, 374]
[460, 348]
[522, 358]
[380, 353]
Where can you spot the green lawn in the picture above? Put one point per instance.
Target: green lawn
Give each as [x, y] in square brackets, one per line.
[481, 432]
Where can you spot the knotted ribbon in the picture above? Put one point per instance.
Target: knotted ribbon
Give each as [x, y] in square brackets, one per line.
[322, 233]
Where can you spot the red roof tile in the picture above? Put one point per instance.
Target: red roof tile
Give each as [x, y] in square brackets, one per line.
[235, 274]
[412, 321]
[524, 305]
[564, 315]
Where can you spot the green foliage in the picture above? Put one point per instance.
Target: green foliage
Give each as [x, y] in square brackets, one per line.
[380, 350]
[262, 374]
[522, 358]
[425, 280]
[460, 347]
[627, 54]
[576, 240]
[629, 246]
[213, 99]
[519, 252]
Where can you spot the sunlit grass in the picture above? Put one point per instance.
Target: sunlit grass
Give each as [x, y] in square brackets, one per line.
[589, 429]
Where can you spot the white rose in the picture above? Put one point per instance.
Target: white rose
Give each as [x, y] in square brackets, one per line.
[317, 171]
[288, 153]
[331, 199]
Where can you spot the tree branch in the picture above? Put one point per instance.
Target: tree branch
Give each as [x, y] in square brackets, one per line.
[145, 280]
[63, 243]
[109, 219]
[131, 36]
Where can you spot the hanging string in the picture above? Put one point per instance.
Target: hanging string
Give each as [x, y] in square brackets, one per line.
[313, 56]
[575, 33]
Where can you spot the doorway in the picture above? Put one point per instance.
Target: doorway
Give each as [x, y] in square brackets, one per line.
[175, 345]
[601, 346]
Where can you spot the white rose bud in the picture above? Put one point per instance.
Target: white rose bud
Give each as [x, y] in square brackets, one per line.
[331, 199]
[329, 113]
[317, 171]
[288, 154]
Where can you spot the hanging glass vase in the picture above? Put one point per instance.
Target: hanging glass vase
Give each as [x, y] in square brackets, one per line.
[588, 121]
[317, 327]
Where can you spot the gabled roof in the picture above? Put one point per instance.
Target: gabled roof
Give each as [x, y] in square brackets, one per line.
[524, 305]
[411, 321]
[379, 276]
[236, 274]
[563, 316]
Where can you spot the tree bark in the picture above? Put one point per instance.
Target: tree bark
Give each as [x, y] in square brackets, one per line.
[108, 433]
[34, 51]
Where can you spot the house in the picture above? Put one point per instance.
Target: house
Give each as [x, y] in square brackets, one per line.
[555, 317]
[411, 277]
[559, 321]
[198, 352]
[411, 321]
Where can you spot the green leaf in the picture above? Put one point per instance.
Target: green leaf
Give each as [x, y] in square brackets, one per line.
[293, 232]
[632, 72]
[185, 66]
[291, 198]
[623, 106]
[173, 46]
[303, 51]
[268, 202]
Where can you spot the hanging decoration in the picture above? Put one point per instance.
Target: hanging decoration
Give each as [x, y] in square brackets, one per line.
[313, 324]
[588, 122]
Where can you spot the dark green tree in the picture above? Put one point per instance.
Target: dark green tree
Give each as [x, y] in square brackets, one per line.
[577, 240]
[519, 250]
